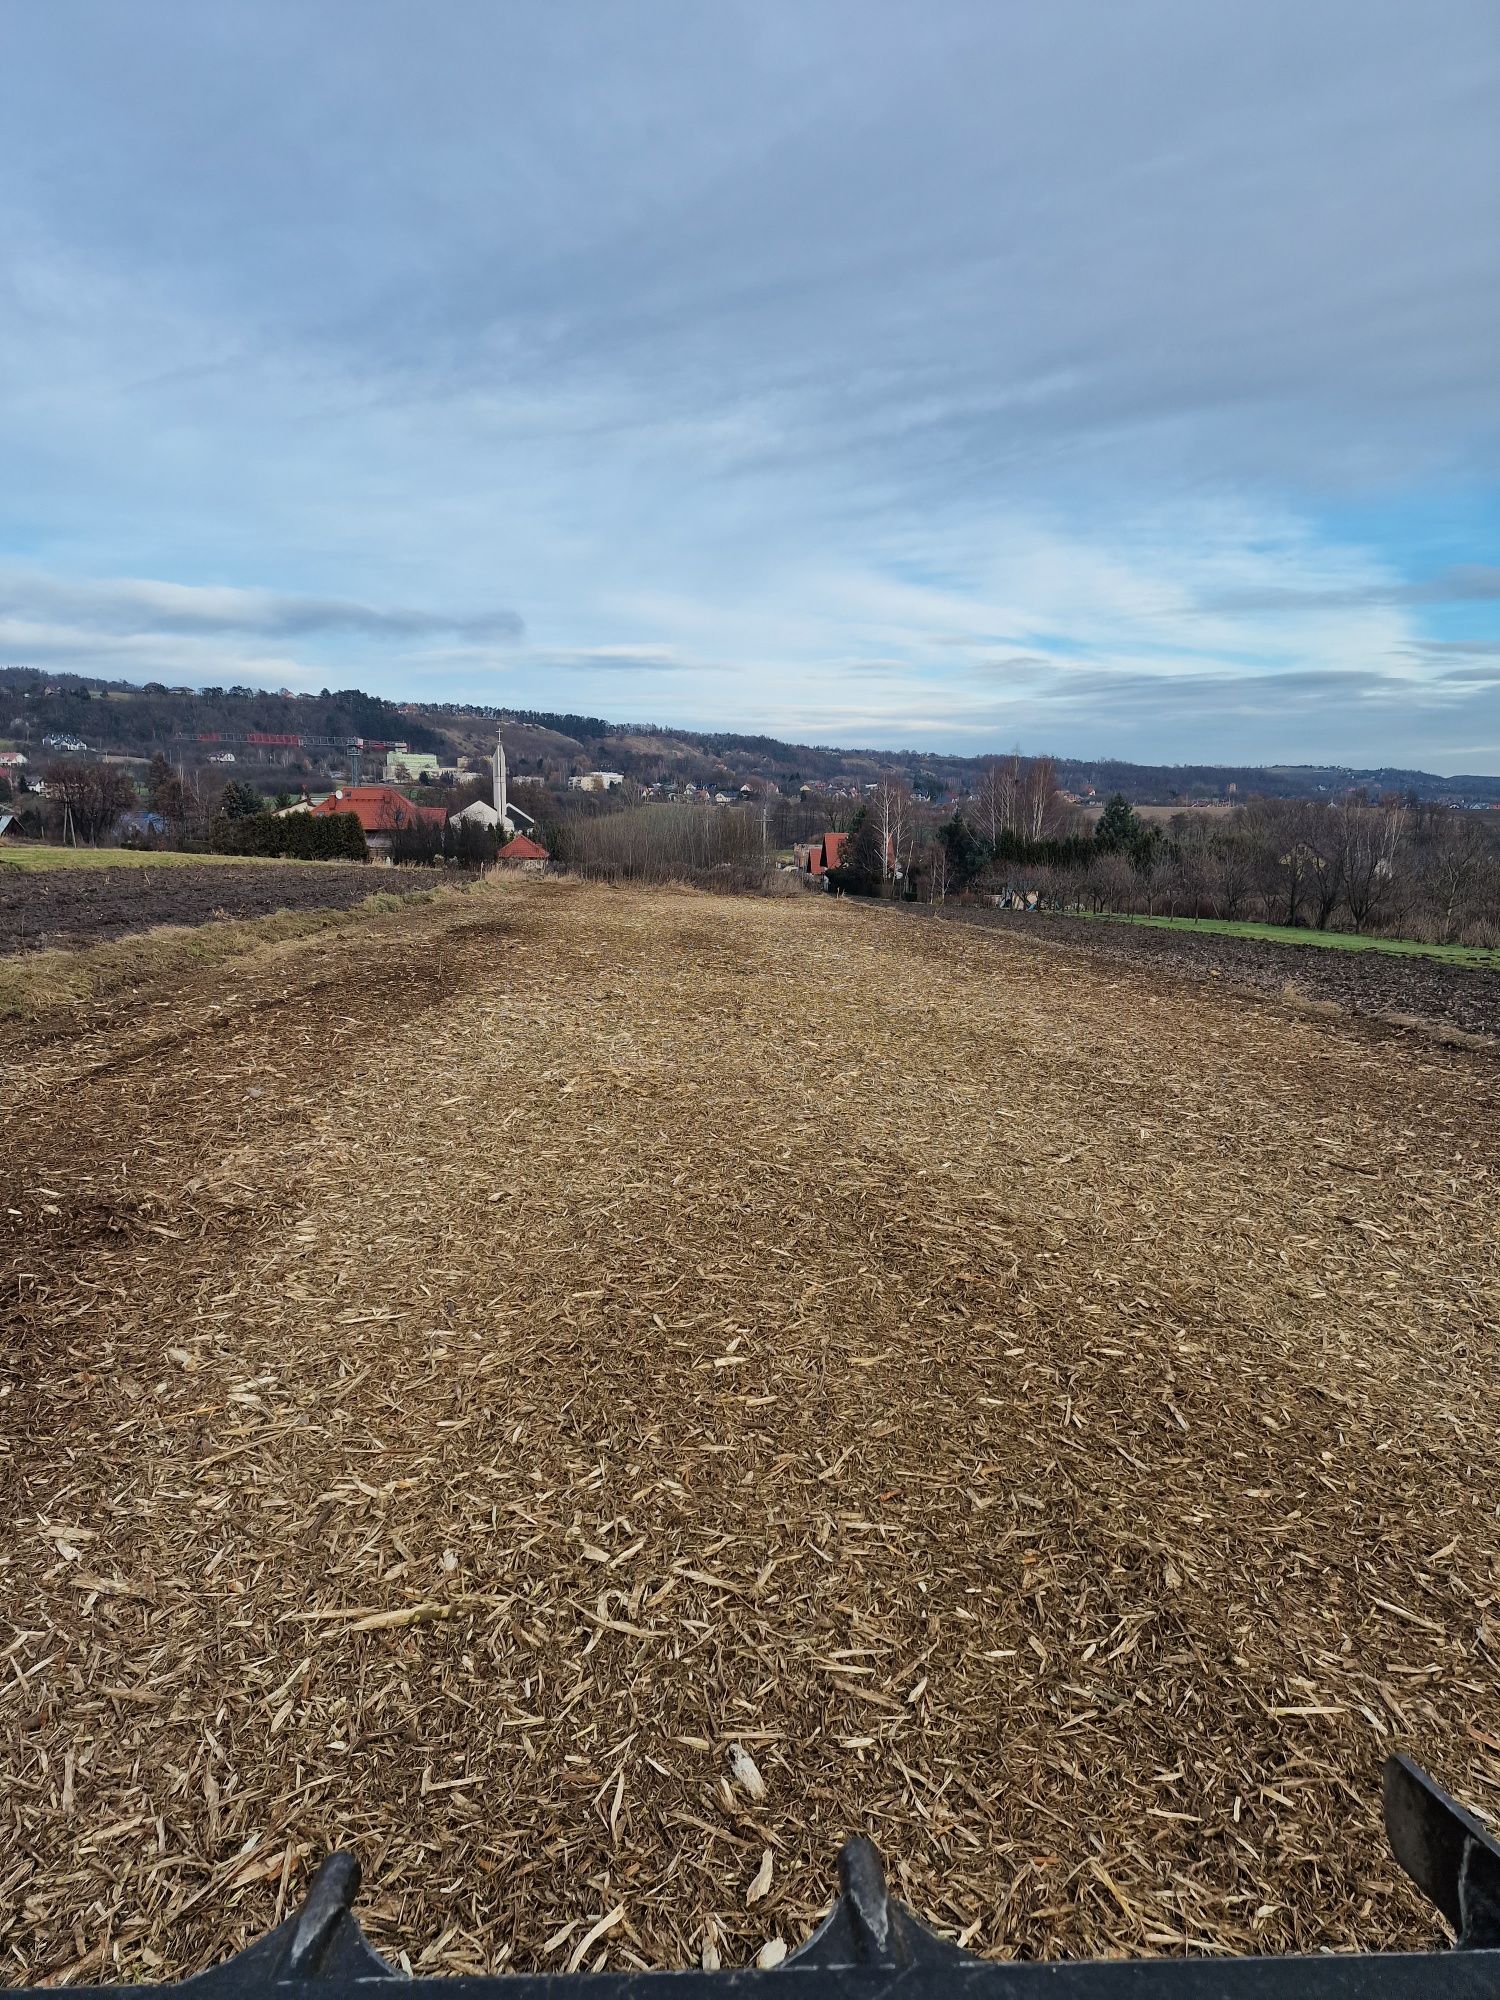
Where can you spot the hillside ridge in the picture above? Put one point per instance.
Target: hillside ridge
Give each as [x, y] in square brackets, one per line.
[312, 733]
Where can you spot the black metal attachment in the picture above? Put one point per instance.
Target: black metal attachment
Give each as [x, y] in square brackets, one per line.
[869, 1945]
[322, 1943]
[865, 1927]
[329, 1900]
[1449, 1856]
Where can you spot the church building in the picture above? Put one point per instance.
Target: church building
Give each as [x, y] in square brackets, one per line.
[506, 819]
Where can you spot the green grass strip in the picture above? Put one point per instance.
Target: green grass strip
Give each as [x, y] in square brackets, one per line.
[1450, 954]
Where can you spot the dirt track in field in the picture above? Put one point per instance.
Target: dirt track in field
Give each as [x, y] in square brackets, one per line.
[463, 1378]
[78, 906]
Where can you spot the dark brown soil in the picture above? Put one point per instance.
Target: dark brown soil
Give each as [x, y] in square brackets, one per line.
[74, 906]
[1377, 983]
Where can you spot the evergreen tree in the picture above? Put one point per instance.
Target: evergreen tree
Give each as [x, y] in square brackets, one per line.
[862, 867]
[965, 851]
[240, 801]
[1120, 826]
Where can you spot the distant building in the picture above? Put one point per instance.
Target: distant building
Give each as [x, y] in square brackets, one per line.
[11, 760]
[144, 825]
[405, 767]
[381, 810]
[501, 816]
[817, 857]
[597, 781]
[524, 853]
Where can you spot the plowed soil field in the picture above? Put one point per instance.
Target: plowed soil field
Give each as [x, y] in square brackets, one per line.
[68, 906]
[1392, 987]
[589, 1398]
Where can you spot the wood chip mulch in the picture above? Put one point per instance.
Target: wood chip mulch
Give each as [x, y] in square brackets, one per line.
[589, 1398]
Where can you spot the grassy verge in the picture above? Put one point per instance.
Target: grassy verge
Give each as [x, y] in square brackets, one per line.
[1451, 954]
[35, 984]
[42, 860]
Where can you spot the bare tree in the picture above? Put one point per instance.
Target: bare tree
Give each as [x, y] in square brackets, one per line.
[1190, 880]
[1324, 855]
[890, 811]
[1041, 811]
[1110, 882]
[1457, 855]
[1281, 862]
[666, 843]
[1231, 872]
[1368, 837]
[994, 807]
[93, 797]
[937, 873]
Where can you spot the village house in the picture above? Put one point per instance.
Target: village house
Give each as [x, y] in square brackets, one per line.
[381, 810]
[524, 853]
[816, 857]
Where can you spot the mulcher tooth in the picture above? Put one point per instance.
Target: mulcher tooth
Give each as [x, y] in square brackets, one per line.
[866, 1928]
[869, 1945]
[1446, 1852]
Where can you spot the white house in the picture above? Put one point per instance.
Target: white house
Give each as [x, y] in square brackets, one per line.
[597, 781]
[404, 767]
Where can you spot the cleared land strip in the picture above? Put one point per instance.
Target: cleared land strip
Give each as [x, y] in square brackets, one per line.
[473, 1377]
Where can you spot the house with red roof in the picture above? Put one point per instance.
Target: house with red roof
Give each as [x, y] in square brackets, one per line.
[381, 810]
[821, 853]
[827, 851]
[523, 852]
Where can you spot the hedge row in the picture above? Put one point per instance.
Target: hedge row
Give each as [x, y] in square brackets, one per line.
[298, 836]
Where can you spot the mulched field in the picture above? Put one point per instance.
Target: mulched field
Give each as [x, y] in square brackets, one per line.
[1377, 983]
[66, 906]
[589, 1398]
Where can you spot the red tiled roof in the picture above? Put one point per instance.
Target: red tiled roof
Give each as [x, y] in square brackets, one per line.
[522, 849]
[824, 853]
[380, 808]
[828, 852]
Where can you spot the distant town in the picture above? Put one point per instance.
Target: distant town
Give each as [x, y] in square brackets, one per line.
[285, 741]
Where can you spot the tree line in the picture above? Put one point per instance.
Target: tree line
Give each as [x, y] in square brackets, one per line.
[1392, 865]
[1388, 865]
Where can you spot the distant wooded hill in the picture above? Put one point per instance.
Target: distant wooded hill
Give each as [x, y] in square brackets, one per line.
[310, 735]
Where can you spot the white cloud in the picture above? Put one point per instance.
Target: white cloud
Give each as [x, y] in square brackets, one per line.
[799, 367]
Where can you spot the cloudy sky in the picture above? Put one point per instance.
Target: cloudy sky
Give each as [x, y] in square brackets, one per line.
[1109, 379]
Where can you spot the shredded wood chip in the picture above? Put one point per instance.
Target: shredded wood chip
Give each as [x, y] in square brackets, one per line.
[984, 1545]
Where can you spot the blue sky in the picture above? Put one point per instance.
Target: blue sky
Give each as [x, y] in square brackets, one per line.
[1110, 380]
